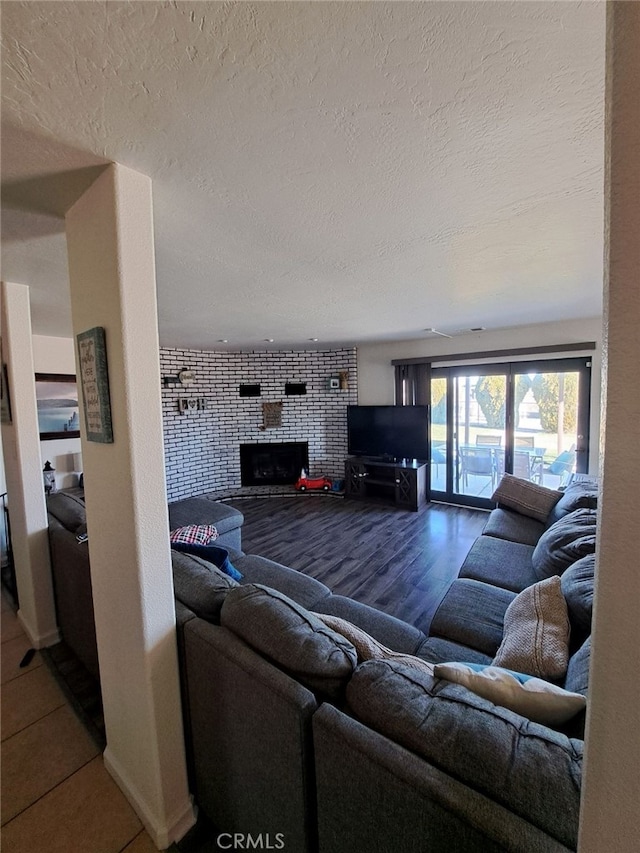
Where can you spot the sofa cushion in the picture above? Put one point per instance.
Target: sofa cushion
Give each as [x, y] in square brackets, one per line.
[200, 585]
[534, 698]
[500, 563]
[536, 632]
[439, 650]
[527, 498]
[567, 540]
[529, 768]
[509, 524]
[68, 509]
[578, 495]
[472, 614]
[290, 636]
[302, 588]
[577, 587]
[199, 510]
[577, 678]
[212, 554]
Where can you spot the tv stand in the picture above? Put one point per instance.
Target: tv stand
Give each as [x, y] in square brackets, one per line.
[403, 483]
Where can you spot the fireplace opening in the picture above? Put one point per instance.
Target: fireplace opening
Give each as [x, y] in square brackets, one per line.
[273, 464]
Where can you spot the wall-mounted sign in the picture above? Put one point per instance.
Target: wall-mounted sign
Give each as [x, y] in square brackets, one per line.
[94, 378]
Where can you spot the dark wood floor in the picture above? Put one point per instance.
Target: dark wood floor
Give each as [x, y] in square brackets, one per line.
[399, 561]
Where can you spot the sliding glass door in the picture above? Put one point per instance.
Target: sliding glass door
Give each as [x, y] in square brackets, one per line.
[529, 419]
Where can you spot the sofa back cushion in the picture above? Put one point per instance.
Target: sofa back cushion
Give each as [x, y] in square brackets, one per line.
[567, 540]
[199, 585]
[577, 679]
[576, 496]
[530, 769]
[577, 587]
[290, 636]
[68, 509]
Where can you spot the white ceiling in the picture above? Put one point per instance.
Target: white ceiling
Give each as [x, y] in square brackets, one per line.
[344, 171]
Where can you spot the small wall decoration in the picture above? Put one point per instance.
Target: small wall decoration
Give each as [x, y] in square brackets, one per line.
[57, 404]
[92, 356]
[191, 404]
[271, 415]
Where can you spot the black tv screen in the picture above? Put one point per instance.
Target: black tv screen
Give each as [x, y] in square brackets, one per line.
[388, 432]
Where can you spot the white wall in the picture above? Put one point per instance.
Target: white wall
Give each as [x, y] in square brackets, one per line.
[376, 374]
[57, 355]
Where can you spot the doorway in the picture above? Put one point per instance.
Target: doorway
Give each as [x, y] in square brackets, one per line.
[530, 419]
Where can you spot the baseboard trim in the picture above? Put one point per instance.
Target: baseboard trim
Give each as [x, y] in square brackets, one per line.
[163, 832]
[36, 640]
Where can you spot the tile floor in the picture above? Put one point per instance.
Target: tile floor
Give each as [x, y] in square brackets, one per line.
[57, 796]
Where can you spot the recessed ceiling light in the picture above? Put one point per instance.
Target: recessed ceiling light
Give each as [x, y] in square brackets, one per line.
[313, 339]
[268, 340]
[223, 341]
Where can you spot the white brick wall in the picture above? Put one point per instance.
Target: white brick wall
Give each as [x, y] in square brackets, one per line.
[202, 446]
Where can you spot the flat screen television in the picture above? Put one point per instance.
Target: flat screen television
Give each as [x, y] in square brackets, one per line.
[389, 433]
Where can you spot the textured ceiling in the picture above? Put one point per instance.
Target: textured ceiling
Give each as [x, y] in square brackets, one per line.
[343, 171]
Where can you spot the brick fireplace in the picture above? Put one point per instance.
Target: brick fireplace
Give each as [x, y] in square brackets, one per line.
[206, 423]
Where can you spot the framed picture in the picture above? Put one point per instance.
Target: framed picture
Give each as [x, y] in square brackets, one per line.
[57, 402]
[94, 375]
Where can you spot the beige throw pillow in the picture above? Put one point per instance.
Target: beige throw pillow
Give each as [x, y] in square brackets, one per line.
[536, 632]
[526, 497]
[367, 647]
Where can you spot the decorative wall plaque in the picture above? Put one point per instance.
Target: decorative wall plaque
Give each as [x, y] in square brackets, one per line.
[94, 376]
[271, 415]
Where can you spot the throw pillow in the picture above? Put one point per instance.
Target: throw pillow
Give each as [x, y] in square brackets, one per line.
[367, 647]
[212, 554]
[536, 632]
[530, 697]
[525, 497]
[194, 534]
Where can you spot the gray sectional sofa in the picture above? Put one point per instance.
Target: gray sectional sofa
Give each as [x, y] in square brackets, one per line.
[292, 732]
[67, 526]
[297, 730]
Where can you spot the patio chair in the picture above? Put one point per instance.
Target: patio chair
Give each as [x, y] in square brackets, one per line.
[488, 440]
[477, 461]
[564, 463]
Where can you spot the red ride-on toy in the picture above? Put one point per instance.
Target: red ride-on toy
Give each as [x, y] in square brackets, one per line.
[305, 483]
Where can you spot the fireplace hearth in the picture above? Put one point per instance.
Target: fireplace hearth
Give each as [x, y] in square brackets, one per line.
[273, 464]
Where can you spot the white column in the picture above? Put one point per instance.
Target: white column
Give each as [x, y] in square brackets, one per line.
[23, 470]
[112, 274]
[611, 790]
